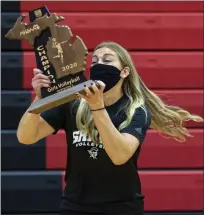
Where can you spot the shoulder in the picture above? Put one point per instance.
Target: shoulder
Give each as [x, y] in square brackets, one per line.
[142, 115]
[139, 124]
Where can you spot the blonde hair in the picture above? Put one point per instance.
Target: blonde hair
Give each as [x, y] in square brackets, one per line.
[167, 120]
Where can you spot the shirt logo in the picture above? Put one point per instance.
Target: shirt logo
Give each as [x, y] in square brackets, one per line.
[93, 152]
[139, 130]
[82, 140]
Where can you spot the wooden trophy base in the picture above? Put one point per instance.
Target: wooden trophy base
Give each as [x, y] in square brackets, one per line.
[59, 98]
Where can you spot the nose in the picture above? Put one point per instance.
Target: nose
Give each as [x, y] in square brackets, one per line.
[100, 61]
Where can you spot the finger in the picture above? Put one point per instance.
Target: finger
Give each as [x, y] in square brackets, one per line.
[37, 71]
[38, 86]
[101, 85]
[41, 76]
[94, 88]
[45, 85]
[88, 92]
[41, 81]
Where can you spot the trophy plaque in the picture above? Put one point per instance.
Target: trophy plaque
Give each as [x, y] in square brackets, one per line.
[58, 54]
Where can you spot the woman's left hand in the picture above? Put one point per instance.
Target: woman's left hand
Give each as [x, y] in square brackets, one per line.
[94, 95]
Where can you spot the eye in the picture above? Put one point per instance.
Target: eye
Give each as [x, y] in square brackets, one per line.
[107, 61]
[93, 63]
[94, 60]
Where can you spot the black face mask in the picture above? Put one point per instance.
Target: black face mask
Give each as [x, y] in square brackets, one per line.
[108, 74]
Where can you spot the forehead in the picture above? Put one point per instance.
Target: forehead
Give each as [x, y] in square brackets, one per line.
[102, 51]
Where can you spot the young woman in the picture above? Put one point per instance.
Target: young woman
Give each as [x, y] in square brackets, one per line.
[105, 131]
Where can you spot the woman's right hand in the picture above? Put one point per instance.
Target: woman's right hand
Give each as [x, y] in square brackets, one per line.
[38, 81]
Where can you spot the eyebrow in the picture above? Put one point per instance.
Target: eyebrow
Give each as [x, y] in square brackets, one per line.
[104, 55]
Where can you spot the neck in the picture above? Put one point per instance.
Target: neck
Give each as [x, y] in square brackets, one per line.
[113, 95]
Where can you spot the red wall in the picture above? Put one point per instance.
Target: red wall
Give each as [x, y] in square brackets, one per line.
[165, 40]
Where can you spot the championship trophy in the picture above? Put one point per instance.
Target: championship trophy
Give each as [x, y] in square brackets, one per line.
[58, 55]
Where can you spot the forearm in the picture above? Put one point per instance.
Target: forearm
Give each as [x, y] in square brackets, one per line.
[28, 128]
[114, 142]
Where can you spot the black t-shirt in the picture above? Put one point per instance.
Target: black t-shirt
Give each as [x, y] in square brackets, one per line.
[91, 177]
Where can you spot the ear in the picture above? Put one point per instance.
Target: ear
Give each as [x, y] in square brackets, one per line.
[125, 72]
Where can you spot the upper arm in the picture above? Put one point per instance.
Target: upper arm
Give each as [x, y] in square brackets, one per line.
[135, 133]
[138, 126]
[133, 142]
[44, 129]
[51, 121]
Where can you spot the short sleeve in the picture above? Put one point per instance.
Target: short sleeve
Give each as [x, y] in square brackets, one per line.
[55, 117]
[139, 124]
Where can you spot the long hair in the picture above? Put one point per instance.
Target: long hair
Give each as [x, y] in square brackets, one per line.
[165, 119]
